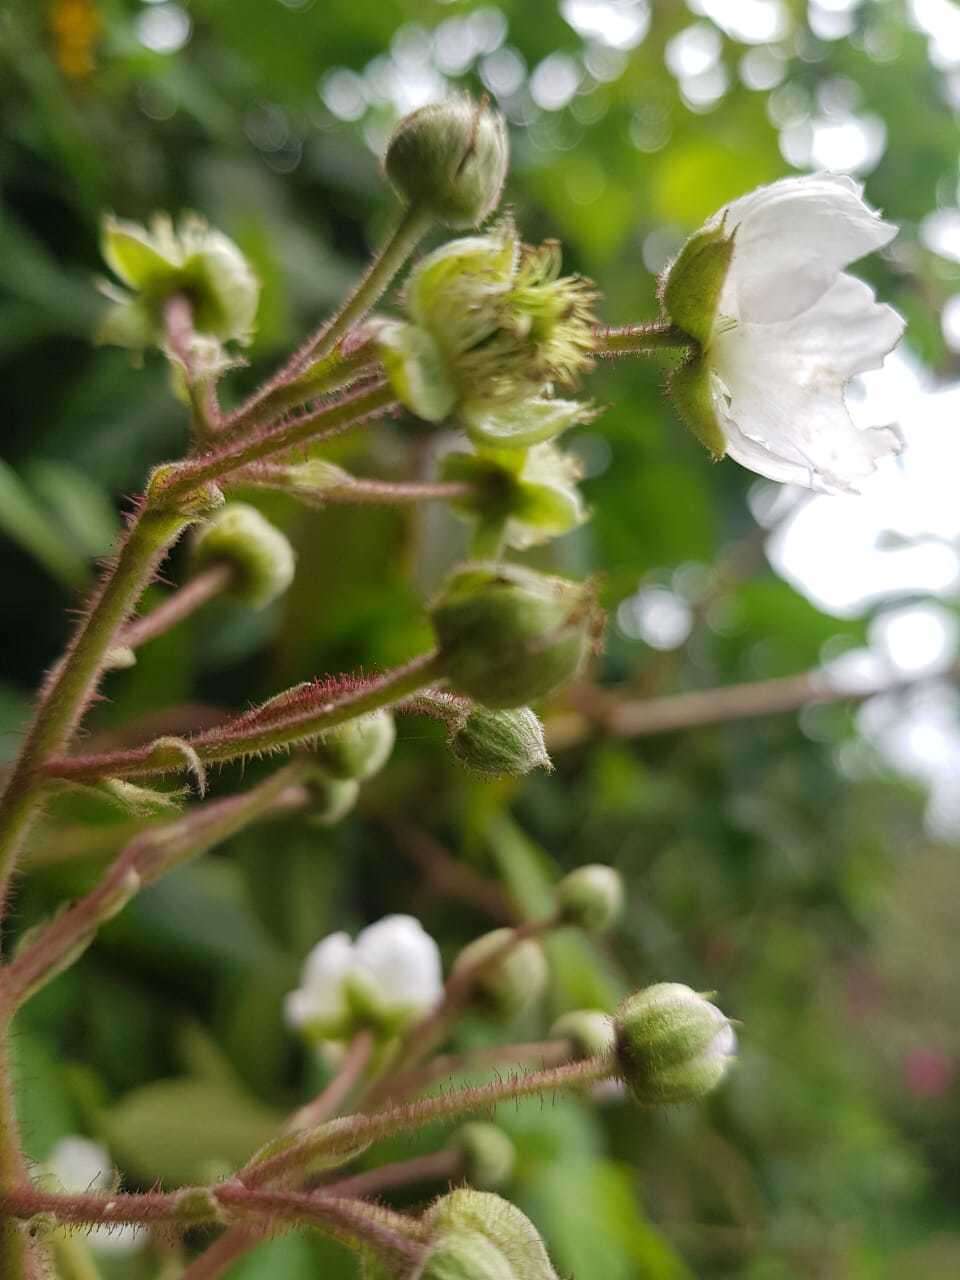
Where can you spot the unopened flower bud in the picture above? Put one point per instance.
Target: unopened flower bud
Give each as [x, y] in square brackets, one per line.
[507, 635]
[673, 1045]
[488, 1155]
[501, 744]
[450, 159]
[194, 260]
[332, 799]
[691, 286]
[505, 986]
[260, 555]
[590, 1031]
[591, 897]
[359, 748]
[476, 1235]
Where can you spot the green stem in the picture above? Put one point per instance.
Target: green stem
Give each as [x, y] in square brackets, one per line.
[282, 722]
[347, 1134]
[73, 681]
[641, 339]
[355, 491]
[411, 229]
[17, 1252]
[372, 402]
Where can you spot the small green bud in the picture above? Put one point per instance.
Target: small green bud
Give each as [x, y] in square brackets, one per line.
[530, 493]
[358, 749]
[332, 799]
[261, 556]
[156, 263]
[501, 744]
[691, 388]
[508, 635]
[476, 1235]
[590, 1031]
[591, 897]
[492, 424]
[692, 284]
[673, 1045]
[507, 986]
[488, 1155]
[450, 159]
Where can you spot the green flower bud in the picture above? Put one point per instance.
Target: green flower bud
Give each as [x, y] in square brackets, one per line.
[673, 1045]
[532, 494]
[261, 556]
[501, 744]
[332, 799]
[507, 986]
[450, 159]
[507, 635]
[691, 286]
[690, 386]
[358, 749]
[488, 1155]
[591, 897]
[476, 1235]
[194, 260]
[590, 1031]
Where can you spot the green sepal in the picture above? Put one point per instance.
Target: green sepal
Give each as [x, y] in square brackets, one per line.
[692, 285]
[691, 389]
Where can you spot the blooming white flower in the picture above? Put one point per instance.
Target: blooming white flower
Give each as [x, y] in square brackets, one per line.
[81, 1166]
[390, 974]
[791, 329]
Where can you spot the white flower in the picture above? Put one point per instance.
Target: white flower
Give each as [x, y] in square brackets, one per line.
[792, 329]
[390, 974]
[80, 1167]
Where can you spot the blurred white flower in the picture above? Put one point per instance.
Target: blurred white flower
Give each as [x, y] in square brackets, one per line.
[791, 330]
[81, 1166]
[390, 974]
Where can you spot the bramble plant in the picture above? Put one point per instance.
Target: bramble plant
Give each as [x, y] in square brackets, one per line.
[491, 338]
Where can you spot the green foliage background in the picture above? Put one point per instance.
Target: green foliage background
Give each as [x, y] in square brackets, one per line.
[814, 904]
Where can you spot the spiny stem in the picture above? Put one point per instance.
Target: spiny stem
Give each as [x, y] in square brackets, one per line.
[329, 420]
[545, 1053]
[202, 588]
[251, 734]
[18, 1254]
[340, 1137]
[638, 339]
[146, 858]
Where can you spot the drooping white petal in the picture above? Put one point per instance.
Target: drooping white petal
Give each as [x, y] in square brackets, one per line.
[400, 962]
[793, 238]
[780, 389]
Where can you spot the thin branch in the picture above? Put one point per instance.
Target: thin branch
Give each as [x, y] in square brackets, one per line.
[545, 1053]
[294, 717]
[146, 858]
[447, 877]
[640, 339]
[637, 718]
[202, 588]
[438, 1166]
[327, 1103]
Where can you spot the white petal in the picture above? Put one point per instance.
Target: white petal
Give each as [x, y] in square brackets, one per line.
[80, 1165]
[793, 239]
[402, 963]
[780, 389]
[329, 961]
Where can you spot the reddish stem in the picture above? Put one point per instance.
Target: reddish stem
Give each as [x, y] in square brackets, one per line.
[202, 588]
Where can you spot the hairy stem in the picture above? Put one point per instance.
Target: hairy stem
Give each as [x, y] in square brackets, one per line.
[639, 339]
[438, 1166]
[277, 725]
[356, 491]
[146, 858]
[343, 1136]
[545, 1053]
[202, 588]
[329, 420]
